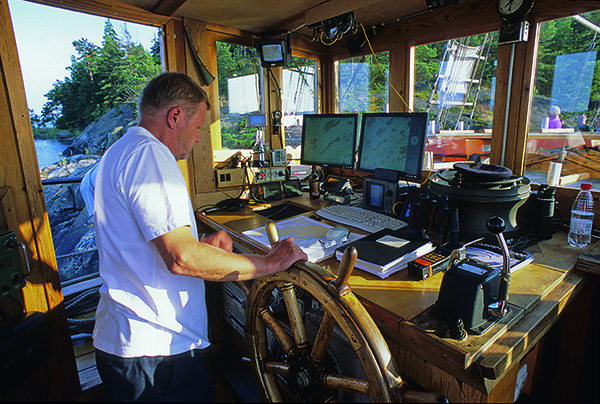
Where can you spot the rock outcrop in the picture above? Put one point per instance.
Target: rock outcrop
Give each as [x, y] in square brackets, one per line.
[72, 226]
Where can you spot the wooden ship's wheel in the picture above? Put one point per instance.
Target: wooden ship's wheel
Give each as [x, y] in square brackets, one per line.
[294, 316]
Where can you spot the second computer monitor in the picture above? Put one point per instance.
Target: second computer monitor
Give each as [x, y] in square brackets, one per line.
[393, 141]
[329, 140]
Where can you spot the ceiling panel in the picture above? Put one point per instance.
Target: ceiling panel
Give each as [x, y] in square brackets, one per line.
[262, 15]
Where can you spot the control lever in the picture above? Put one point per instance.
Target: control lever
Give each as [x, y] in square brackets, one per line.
[474, 292]
[499, 307]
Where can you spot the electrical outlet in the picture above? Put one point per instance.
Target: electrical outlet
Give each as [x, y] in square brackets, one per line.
[230, 177]
[277, 173]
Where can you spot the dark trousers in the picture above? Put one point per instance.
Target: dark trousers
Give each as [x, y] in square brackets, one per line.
[181, 377]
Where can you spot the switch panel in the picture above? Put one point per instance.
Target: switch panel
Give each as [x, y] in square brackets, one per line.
[230, 177]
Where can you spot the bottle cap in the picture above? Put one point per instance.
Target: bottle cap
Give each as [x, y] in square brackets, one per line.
[586, 186]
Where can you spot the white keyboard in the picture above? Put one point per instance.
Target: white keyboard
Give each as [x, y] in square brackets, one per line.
[360, 218]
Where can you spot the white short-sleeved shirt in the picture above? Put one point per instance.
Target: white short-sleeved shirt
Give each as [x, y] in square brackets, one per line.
[144, 309]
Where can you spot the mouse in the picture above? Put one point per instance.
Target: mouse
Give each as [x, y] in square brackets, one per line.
[337, 234]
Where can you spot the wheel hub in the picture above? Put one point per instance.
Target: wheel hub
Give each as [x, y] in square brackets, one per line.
[304, 379]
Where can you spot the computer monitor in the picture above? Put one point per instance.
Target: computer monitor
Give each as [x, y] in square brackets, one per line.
[329, 140]
[393, 141]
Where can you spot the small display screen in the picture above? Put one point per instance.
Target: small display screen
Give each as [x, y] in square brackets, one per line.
[375, 196]
[272, 53]
[257, 120]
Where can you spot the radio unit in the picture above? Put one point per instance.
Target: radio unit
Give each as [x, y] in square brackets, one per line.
[380, 195]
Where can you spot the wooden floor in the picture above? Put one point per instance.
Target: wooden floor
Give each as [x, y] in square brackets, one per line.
[86, 364]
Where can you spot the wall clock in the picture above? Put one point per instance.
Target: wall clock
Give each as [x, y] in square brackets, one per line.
[511, 10]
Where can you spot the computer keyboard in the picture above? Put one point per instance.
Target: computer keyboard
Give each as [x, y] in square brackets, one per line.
[360, 218]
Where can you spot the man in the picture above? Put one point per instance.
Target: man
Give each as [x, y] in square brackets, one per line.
[151, 322]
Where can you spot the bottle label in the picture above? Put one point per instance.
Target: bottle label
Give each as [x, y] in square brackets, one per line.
[581, 226]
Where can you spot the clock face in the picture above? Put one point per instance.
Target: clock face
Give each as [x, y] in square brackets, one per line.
[513, 9]
[508, 7]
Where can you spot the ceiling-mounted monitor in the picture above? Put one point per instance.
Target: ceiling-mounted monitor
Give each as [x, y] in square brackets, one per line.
[274, 52]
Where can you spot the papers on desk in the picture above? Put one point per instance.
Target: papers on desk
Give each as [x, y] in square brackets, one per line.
[387, 251]
[491, 256]
[308, 234]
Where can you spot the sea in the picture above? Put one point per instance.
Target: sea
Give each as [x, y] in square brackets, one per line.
[48, 151]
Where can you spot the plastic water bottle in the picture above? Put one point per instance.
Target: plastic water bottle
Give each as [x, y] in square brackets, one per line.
[582, 217]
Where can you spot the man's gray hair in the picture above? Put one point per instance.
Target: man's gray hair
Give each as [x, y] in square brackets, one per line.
[170, 89]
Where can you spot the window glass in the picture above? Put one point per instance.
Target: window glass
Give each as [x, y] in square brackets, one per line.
[454, 83]
[240, 93]
[564, 124]
[362, 85]
[300, 96]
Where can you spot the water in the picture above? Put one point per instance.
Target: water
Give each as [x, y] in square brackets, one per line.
[581, 228]
[48, 151]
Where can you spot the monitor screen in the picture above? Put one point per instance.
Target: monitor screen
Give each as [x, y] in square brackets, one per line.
[329, 140]
[257, 120]
[273, 52]
[393, 141]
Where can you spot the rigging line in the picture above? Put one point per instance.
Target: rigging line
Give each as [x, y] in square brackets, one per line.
[487, 54]
[381, 70]
[472, 81]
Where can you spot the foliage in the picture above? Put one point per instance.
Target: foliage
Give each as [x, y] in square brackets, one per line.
[234, 61]
[101, 78]
[362, 86]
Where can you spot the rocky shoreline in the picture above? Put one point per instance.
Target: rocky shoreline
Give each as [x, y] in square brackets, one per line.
[72, 226]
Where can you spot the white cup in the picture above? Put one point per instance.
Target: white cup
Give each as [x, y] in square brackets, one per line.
[554, 170]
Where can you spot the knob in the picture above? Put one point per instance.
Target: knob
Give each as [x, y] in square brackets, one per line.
[456, 328]
[496, 225]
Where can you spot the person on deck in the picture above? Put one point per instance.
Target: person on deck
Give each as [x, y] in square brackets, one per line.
[554, 114]
[151, 321]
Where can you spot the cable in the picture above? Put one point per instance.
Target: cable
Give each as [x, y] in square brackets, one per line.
[381, 70]
[278, 88]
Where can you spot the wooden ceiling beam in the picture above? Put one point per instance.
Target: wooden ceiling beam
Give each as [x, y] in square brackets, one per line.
[109, 9]
[167, 7]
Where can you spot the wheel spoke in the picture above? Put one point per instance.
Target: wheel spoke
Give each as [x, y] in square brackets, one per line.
[286, 342]
[280, 368]
[346, 383]
[319, 349]
[294, 315]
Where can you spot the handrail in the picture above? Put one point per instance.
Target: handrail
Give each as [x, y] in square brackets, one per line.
[54, 181]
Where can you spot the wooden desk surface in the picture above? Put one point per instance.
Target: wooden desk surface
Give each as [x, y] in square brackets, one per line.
[399, 304]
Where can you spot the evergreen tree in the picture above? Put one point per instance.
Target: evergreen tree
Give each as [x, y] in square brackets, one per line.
[101, 78]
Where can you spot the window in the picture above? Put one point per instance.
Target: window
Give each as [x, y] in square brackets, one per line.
[299, 97]
[454, 83]
[564, 123]
[362, 85]
[240, 93]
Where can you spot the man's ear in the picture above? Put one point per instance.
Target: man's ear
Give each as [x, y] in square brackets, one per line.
[174, 115]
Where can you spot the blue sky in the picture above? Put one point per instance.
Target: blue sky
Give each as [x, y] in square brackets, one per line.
[44, 41]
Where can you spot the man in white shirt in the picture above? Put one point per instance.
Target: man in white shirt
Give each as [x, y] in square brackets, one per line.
[151, 322]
